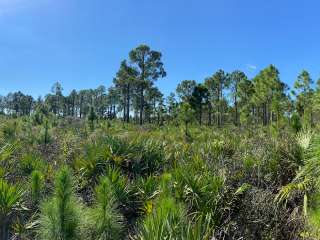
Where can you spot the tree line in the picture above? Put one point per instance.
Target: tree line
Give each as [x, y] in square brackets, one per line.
[223, 98]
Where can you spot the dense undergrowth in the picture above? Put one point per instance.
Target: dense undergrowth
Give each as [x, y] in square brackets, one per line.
[64, 179]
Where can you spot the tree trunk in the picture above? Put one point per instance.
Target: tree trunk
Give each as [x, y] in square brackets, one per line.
[158, 117]
[141, 105]
[210, 114]
[236, 109]
[186, 129]
[128, 103]
[80, 110]
[221, 107]
[264, 114]
[311, 116]
[124, 113]
[142, 89]
[200, 114]
[73, 103]
[4, 231]
[154, 110]
[219, 110]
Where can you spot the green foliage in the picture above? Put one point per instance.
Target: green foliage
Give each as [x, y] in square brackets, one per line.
[120, 185]
[185, 89]
[31, 162]
[304, 94]
[167, 221]
[38, 117]
[307, 182]
[314, 215]
[146, 190]
[60, 217]
[92, 162]
[10, 196]
[45, 133]
[37, 183]
[148, 158]
[200, 190]
[186, 115]
[9, 130]
[139, 156]
[149, 68]
[201, 230]
[91, 117]
[105, 222]
[6, 151]
[296, 122]
[173, 178]
[10, 199]
[156, 185]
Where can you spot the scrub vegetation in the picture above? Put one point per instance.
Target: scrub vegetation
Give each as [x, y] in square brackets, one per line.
[226, 158]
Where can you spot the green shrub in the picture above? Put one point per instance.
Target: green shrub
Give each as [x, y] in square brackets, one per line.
[10, 129]
[36, 186]
[10, 198]
[31, 162]
[200, 191]
[146, 190]
[167, 221]
[296, 122]
[105, 222]
[120, 186]
[147, 157]
[60, 217]
[93, 162]
[45, 135]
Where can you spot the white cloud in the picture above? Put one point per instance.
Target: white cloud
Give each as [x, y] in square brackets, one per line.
[251, 67]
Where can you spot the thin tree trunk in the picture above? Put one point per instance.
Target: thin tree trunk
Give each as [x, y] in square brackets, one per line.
[141, 105]
[128, 103]
[210, 114]
[186, 128]
[154, 109]
[4, 231]
[264, 114]
[219, 112]
[141, 90]
[311, 116]
[200, 114]
[236, 107]
[80, 110]
[124, 113]
[221, 106]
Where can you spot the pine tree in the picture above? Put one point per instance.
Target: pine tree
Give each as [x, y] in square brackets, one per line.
[104, 219]
[150, 68]
[60, 215]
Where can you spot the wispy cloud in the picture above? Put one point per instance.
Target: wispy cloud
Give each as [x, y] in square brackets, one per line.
[10, 6]
[251, 67]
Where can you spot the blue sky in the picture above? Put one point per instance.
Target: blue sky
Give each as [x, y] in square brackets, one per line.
[80, 43]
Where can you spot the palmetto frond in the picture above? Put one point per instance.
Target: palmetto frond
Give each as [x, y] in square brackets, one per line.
[304, 138]
[10, 197]
[286, 191]
[7, 150]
